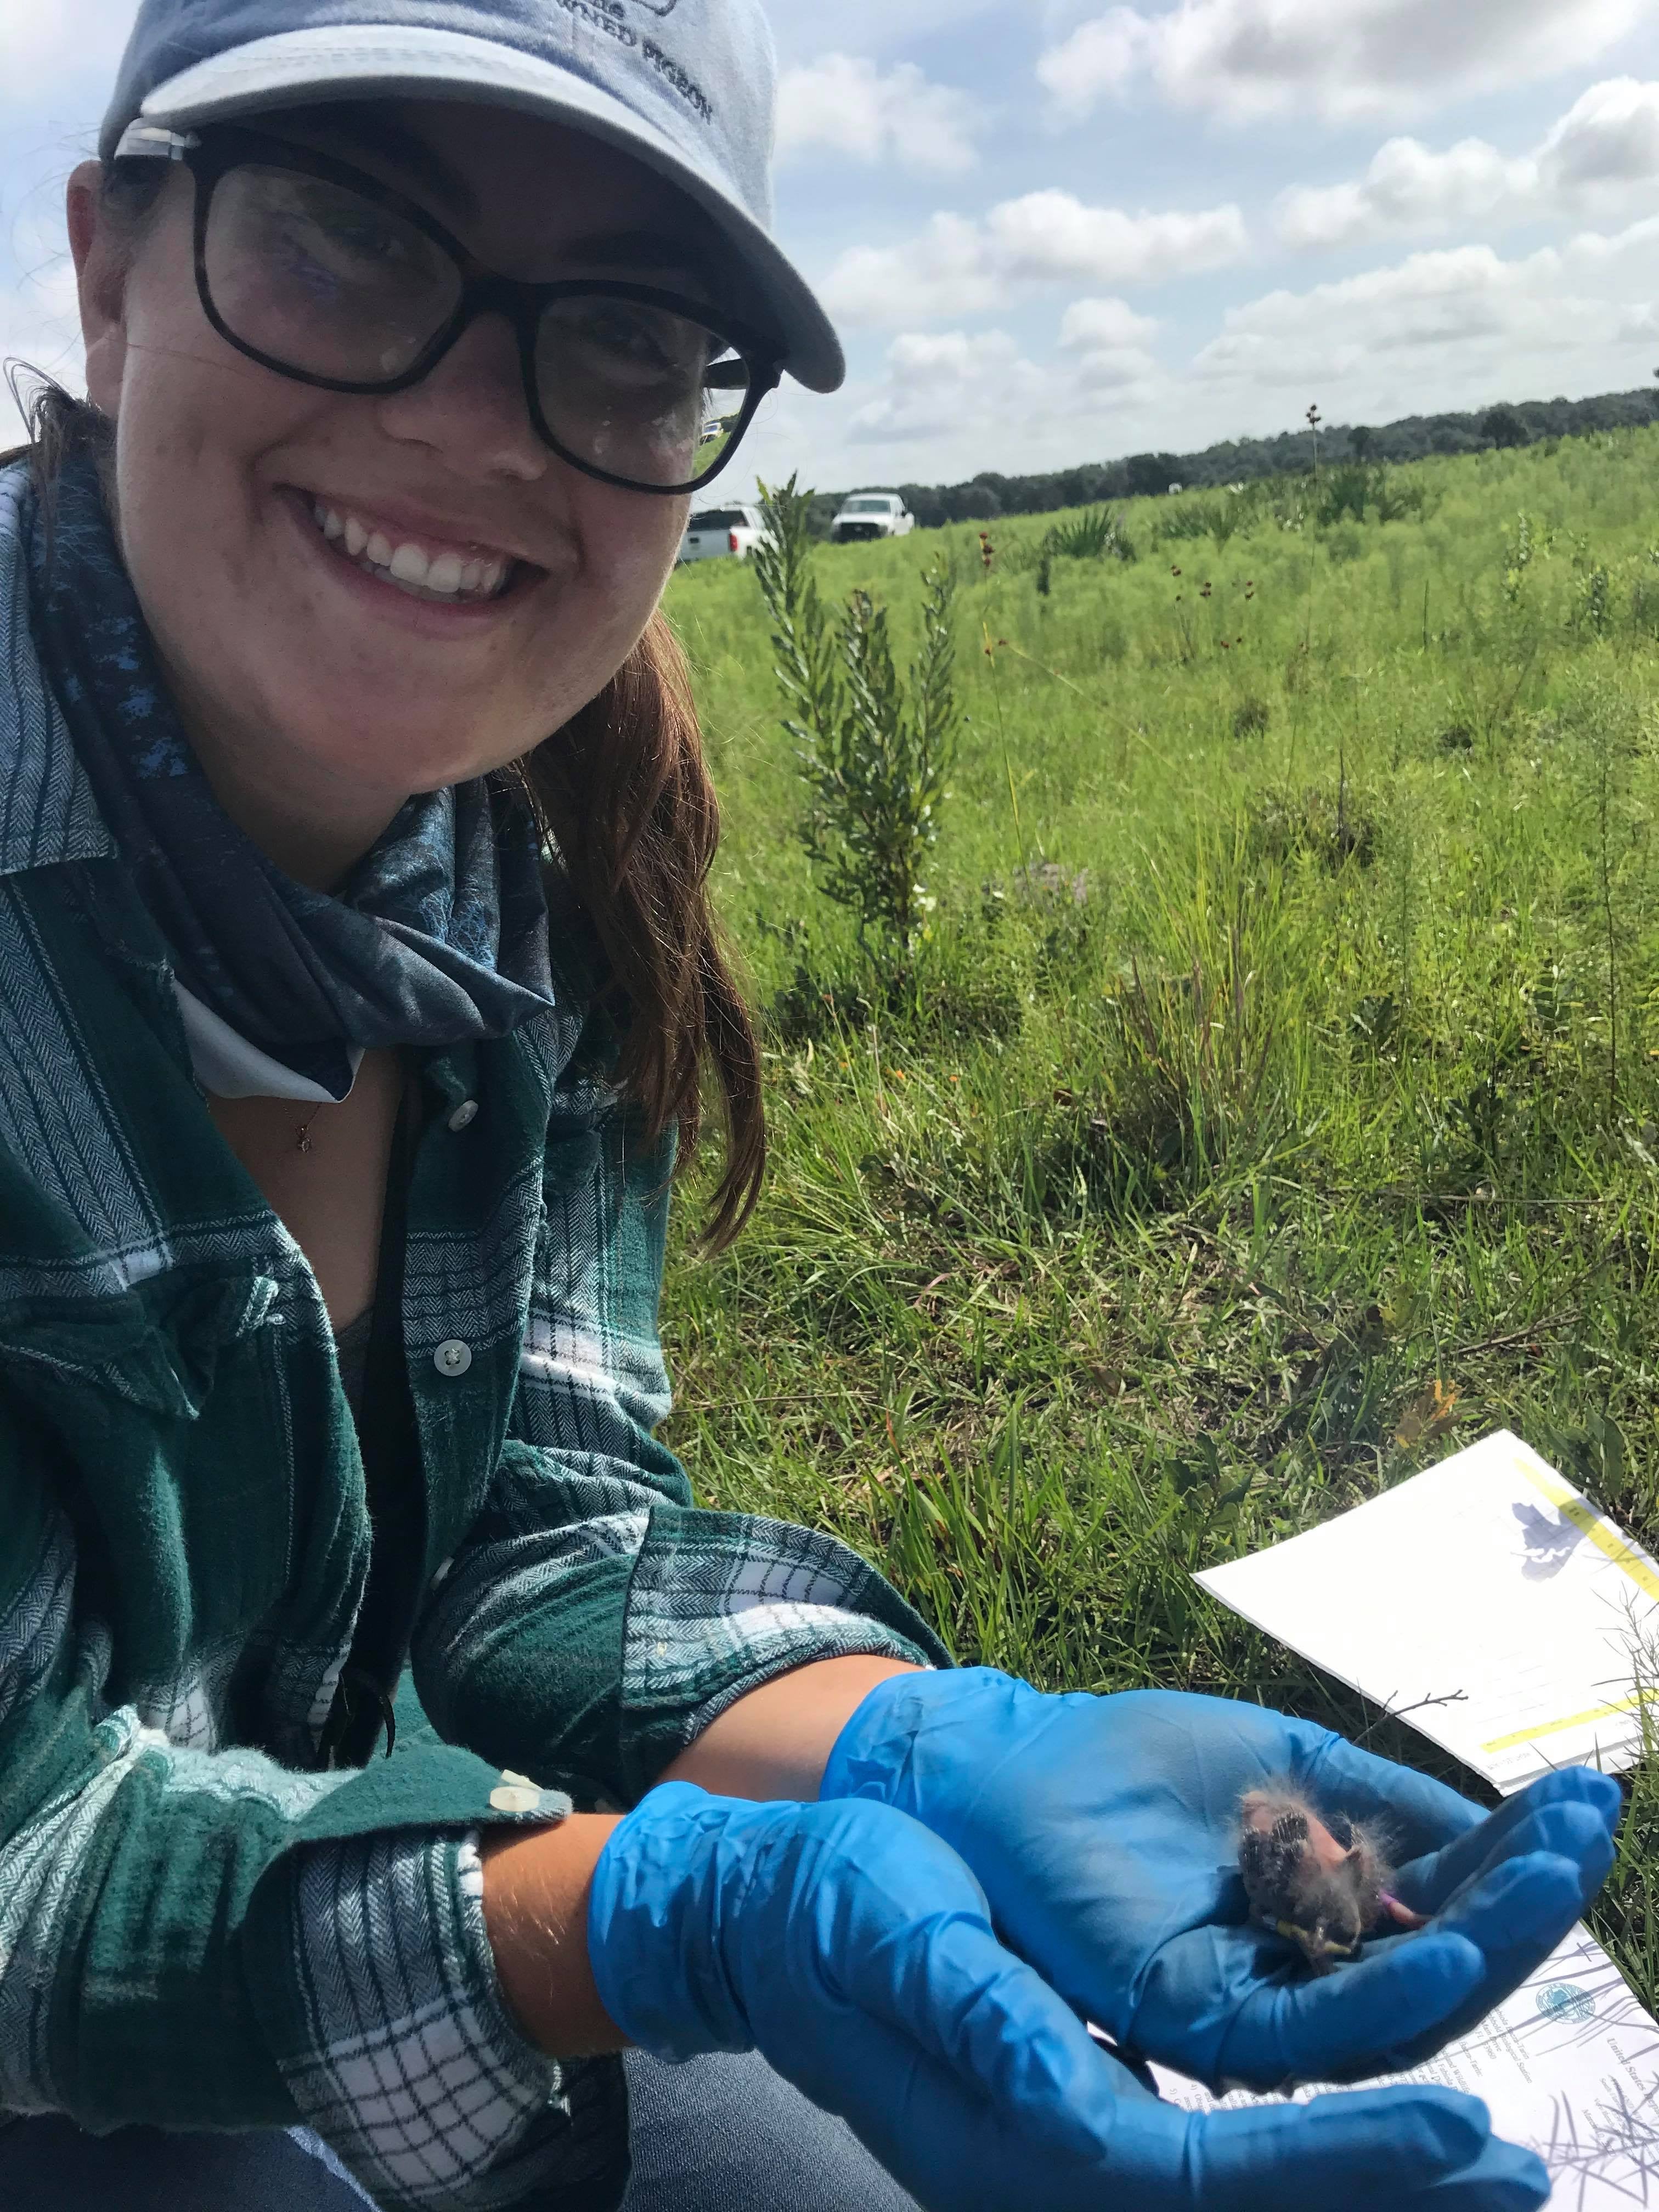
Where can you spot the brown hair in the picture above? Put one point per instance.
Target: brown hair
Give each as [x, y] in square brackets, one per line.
[622, 796]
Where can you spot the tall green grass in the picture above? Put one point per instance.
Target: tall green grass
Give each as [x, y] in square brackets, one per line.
[1278, 1076]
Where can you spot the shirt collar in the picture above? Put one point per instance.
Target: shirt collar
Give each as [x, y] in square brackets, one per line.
[47, 812]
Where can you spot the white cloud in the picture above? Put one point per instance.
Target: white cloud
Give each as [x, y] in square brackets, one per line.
[1107, 344]
[1606, 141]
[843, 104]
[1337, 60]
[1405, 335]
[953, 384]
[958, 266]
[1407, 187]
[1604, 149]
[943, 384]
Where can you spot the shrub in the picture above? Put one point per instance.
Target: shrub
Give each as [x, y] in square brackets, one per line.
[874, 749]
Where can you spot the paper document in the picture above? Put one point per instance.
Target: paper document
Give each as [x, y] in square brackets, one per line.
[1569, 2067]
[1486, 1602]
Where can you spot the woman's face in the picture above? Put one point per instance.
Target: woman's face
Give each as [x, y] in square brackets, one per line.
[316, 691]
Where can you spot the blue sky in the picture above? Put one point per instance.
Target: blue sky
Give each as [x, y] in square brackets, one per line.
[1053, 231]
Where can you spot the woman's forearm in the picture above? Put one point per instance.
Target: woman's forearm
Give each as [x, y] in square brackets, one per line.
[776, 1742]
[536, 1889]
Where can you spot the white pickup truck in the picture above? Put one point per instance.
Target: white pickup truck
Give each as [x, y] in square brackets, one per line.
[718, 533]
[872, 515]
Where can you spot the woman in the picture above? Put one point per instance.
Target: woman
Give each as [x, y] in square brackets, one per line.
[359, 976]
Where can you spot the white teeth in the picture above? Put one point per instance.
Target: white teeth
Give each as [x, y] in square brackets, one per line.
[445, 575]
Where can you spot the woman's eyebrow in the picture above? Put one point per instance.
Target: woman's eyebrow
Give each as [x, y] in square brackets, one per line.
[365, 131]
[652, 250]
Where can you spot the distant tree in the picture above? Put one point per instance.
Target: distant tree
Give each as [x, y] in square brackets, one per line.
[972, 502]
[1290, 453]
[1505, 425]
[925, 504]
[1151, 475]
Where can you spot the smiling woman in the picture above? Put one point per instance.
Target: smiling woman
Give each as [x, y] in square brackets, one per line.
[358, 981]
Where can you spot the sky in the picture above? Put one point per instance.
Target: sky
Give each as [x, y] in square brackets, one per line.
[1052, 232]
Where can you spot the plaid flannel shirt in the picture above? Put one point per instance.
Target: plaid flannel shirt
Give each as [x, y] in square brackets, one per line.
[202, 1926]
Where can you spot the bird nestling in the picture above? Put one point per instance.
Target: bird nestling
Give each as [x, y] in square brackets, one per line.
[1321, 1882]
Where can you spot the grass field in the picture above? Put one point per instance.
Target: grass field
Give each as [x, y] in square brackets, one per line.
[1274, 1104]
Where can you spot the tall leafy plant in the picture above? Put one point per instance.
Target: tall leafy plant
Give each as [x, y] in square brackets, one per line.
[875, 747]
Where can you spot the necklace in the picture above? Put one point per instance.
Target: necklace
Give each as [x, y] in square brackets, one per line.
[302, 1133]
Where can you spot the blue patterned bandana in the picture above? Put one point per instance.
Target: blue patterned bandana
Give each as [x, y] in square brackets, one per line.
[440, 935]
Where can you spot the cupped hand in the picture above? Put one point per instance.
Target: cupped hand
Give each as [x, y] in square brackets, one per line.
[855, 1951]
[1105, 1833]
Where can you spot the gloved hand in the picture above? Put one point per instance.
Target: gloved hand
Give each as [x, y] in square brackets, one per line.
[1105, 1833]
[854, 1951]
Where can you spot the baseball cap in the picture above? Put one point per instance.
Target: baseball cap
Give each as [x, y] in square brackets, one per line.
[686, 86]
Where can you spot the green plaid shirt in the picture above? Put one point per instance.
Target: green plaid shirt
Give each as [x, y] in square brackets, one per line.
[200, 1926]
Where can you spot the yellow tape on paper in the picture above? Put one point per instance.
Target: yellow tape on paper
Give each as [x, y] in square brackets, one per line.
[1623, 1554]
[1578, 1720]
[1625, 1557]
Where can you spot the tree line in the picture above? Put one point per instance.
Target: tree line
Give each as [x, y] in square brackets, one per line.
[1242, 460]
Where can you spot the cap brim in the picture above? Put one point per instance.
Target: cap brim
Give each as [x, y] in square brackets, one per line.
[352, 61]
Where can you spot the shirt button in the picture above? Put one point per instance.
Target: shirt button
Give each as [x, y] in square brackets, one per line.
[513, 1798]
[453, 1357]
[464, 1116]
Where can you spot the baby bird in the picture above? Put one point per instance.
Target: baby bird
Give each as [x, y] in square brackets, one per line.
[1322, 1883]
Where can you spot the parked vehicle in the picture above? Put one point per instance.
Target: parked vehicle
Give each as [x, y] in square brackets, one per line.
[872, 515]
[716, 533]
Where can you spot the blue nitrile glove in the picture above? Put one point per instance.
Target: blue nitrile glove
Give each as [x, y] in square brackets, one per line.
[854, 1951]
[1105, 1833]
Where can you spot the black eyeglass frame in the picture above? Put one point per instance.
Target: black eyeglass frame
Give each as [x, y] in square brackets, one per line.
[484, 290]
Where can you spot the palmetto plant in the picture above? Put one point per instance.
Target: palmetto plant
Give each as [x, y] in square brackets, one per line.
[875, 748]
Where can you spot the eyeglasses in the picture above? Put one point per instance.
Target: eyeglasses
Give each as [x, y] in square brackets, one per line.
[326, 275]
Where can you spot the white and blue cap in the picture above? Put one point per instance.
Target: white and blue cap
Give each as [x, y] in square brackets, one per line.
[686, 86]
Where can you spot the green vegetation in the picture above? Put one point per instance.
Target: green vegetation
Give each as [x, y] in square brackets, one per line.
[990, 494]
[1272, 1103]
[874, 750]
